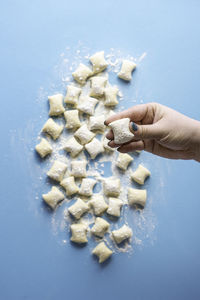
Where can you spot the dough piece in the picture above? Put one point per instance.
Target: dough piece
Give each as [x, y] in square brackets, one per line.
[56, 105]
[123, 161]
[102, 252]
[97, 86]
[100, 227]
[140, 174]
[82, 73]
[44, 148]
[111, 186]
[121, 131]
[105, 144]
[78, 208]
[111, 96]
[69, 185]
[78, 168]
[87, 186]
[97, 123]
[122, 234]
[94, 148]
[84, 135]
[126, 70]
[52, 128]
[72, 95]
[53, 197]
[137, 197]
[98, 204]
[98, 61]
[73, 147]
[57, 170]
[79, 233]
[87, 104]
[72, 119]
[114, 207]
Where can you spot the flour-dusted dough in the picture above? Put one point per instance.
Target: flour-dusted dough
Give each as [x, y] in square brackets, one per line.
[122, 234]
[98, 204]
[53, 197]
[94, 148]
[57, 170]
[69, 185]
[56, 105]
[137, 197]
[98, 61]
[105, 142]
[73, 147]
[44, 148]
[78, 208]
[87, 104]
[52, 128]
[114, 207]
[82, 73]
[97, 123]
[126, 70]
[72, 95]
[100, 227]
[121, 131]
[140, 174]
[111, 186]
[79, 168]
[87, 186]
[84, 135]
[111, 96]
[123, 161]
[98, 86]
[79, 233]
[72, 119]
[102, 252]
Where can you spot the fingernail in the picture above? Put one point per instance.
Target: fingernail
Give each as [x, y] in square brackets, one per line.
[134, 126]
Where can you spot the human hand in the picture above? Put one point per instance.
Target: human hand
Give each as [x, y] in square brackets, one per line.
[161, 131]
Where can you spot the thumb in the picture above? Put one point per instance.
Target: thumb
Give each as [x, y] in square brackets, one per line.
[152, 131]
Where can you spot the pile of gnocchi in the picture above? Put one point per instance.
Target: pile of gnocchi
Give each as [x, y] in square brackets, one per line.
[85, 126]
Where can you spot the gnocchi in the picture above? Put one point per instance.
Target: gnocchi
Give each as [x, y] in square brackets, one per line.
[126, 70]
[72, 95]
[79, 233]
[53, 197]
[94, 148]
[57, 170]
[69, 185]
[98, 204]
[140, 174]
[87, 104]
[102, 252]
[82, 73]
[122, 234]
[78, 209]
[98, 61]
[105, 144]
[100, 227]
[87, 186]
[56, 105]
[121, 131]
[97, 123]
[78, 168]
[111, 186]
[114, 207]
[52, 128]
[44, 148]
[137, 197]
[73, 147]
[72, 119]
[97, 86]
[111, 96]
[123, 161]
[84, 135]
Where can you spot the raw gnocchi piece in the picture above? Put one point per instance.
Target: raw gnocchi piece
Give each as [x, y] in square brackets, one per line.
[140, 174]
[122, 234]
[98, 61]
[111, 96]
[78, 208]
[79, 233]
[53, 197]
[87, 104]
[57, 170]
[98, 204]
[87, 186]
[137, 197]
[105, 144]
[102, 252]
[72, 119]
[98, 86]
[84, 135]
[72, 95]
[126, 70]
[100, 227]
[52, 128]
[111, 186]
[121, 131]
[44, 148]
[123, 161]
[79, 168]
[56, 105]
[82, 73]
[73, 147]
[114, 207]
[94, 148]
[97, 123]
[69, 185]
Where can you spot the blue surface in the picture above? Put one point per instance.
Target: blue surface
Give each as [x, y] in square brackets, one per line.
[34, 264]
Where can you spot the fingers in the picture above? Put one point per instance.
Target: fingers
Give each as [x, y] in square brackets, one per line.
[153, 131]
[130, 147]
[110, 135]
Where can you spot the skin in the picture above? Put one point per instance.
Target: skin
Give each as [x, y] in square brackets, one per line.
[161, 131]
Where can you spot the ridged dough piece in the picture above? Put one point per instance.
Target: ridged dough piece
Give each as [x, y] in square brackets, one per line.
[53, 197]
[121, 131]
[102, 252]
[52, 128]
[56, 105]
[69, 185]
[78, 208]
[98, 61]
[79, 233]
[44, 148]
[73, 147]
[122, 234]
[98, 204]
[84, 135]
[126, 70]
[57, 170]
[111, 186]
[140, 174]
[114, 207]
[82, 73]
[72, 119]
[137, 197]
[100, 227]
[72, 95]
[123, 161]
[94, 148]
[87, 186]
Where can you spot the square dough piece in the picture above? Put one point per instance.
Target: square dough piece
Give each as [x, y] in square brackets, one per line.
[98, 204]
[102, 252]
[114, 208]
[84, 135]
[87, 186]
[53, 197]
[94, 148]
[72, 119]
[69, 185]
[122, 234]
[87, 104]
[140, 174]
[72, 95]
[111, 186]
[56, 105]
[121, 131]
[97, 123]
[52, 128]
[98, 84]
[98, 61]
[126, 70]
[57, 170]
[137, 197]
[100, 227]
[79, 168]
[79, 233]
[123, 161]
[73, 147]
[78, 209]
[111, 96]
[82, 73]
[44, 148]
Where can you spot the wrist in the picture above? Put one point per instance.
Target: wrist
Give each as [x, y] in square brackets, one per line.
[196, 141]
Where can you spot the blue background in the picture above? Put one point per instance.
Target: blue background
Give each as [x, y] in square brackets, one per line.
[34, 264]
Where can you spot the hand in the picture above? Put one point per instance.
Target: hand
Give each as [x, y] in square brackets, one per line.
[161, 131]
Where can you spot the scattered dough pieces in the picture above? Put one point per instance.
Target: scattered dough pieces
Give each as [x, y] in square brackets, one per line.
[102, 252]
[126, 70]
[121, 131]
[79, 168]
[111, 186]
[79, 233]
[72, 119]
[56, 105]
[114, 207]
[98, 62]
[87, 186]
[53, 197]
[122, 234]
[73, 147]
[72, 95]
[111, 96]
[100, 227]
[137, 197]
[52, 128]
[87, 104]
[44, 148]
[97, 123]
[105, 144]
[98, 204]
[78, 208]
[123, 161]
[140, 174]
[69, 185]
[94, 148]
[84, 135]
[82, 73]
[97, 86]
[57, 171]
